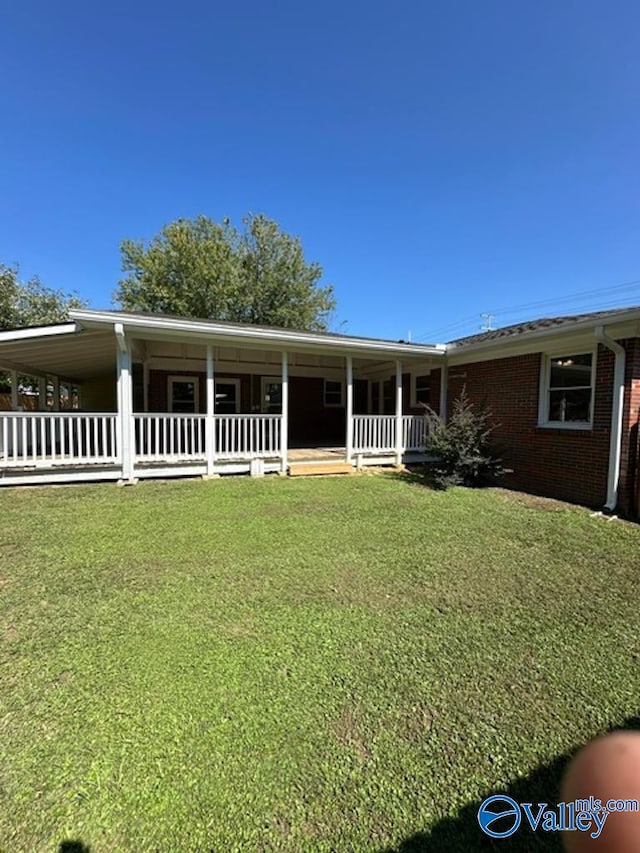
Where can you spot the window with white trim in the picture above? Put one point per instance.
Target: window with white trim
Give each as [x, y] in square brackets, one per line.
[333, 393]
[567, 390]
[183, 394]
[421, 390]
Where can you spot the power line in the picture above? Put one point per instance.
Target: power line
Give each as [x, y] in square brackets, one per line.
[569, 298]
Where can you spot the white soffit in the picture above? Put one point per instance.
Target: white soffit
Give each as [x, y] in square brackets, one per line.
[79, 355]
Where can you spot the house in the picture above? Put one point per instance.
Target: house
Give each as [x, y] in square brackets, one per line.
[164, 396]
[171, 396]
[565, 393]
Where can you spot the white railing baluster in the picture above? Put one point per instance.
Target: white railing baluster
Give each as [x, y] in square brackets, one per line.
[45, 439]
[376, 433]
[50, 439]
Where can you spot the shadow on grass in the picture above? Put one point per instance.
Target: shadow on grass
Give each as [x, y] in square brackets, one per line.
[73, 847]
[418, 475]
[462, 834]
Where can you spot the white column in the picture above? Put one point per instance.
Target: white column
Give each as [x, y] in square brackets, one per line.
[14, 390]
[126, 433]
[42, 393]
[349, 360]
[398, 413]
[56, 394]
[210, 427]
[284, 422]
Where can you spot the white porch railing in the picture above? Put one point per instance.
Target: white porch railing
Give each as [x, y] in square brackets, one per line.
[169, 438]
[248, 436]
[46, 439]
[54, 439]
[182, 438]
[374, 433]
[414, 429]
[377, 433]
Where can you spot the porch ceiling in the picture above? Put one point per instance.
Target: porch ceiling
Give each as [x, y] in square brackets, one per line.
[74, 355]
[86, 347]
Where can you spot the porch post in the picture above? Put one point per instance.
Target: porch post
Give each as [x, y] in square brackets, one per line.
[444, 382]
[398, 413]
[284, 421]
[126, 435]
[210, 435]
[56, 394]
[349, 360]
[42, 393]
[14, 390]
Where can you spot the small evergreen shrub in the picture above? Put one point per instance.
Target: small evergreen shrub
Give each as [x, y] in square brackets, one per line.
[465, 455]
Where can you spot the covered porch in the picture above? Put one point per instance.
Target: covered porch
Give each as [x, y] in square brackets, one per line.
[160, 397]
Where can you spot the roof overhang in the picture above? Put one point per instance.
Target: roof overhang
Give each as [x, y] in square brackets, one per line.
[234, 335]
[66, 351]
[86, 346]
[579, 333]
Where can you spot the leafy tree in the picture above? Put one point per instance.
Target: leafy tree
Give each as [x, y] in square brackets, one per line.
[201, 268]
[30, 303]
[465, 455]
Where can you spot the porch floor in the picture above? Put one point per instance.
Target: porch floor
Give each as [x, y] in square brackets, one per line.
[317, 454]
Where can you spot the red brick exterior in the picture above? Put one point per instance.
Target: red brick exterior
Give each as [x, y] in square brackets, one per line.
[567, 464]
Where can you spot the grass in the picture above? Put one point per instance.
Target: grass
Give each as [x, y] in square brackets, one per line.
[291, 665]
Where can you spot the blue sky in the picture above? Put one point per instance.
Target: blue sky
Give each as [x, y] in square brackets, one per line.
[440, 160]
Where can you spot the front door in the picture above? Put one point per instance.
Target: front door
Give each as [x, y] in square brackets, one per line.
[271, 395]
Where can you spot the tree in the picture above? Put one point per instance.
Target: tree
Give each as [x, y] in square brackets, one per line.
[201, 268]
[465, 455]
[30, 303]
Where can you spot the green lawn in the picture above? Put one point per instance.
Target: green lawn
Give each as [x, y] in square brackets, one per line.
[291, 665]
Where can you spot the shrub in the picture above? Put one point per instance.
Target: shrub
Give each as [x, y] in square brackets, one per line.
[465, 455]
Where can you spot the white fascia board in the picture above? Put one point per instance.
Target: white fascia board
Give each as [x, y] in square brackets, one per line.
[167, 327]
[543, 340]
[38, 332]
[556, 344]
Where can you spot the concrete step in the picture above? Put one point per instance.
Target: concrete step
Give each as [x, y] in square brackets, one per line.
[313, 469]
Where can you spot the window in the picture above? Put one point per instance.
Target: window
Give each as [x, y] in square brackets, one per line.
[566, 397]
[333, 393]
[421, 388]
[183, 394]
[227, 396]
[271, 395]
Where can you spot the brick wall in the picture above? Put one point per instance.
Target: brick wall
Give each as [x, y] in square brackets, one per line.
[562, 463]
